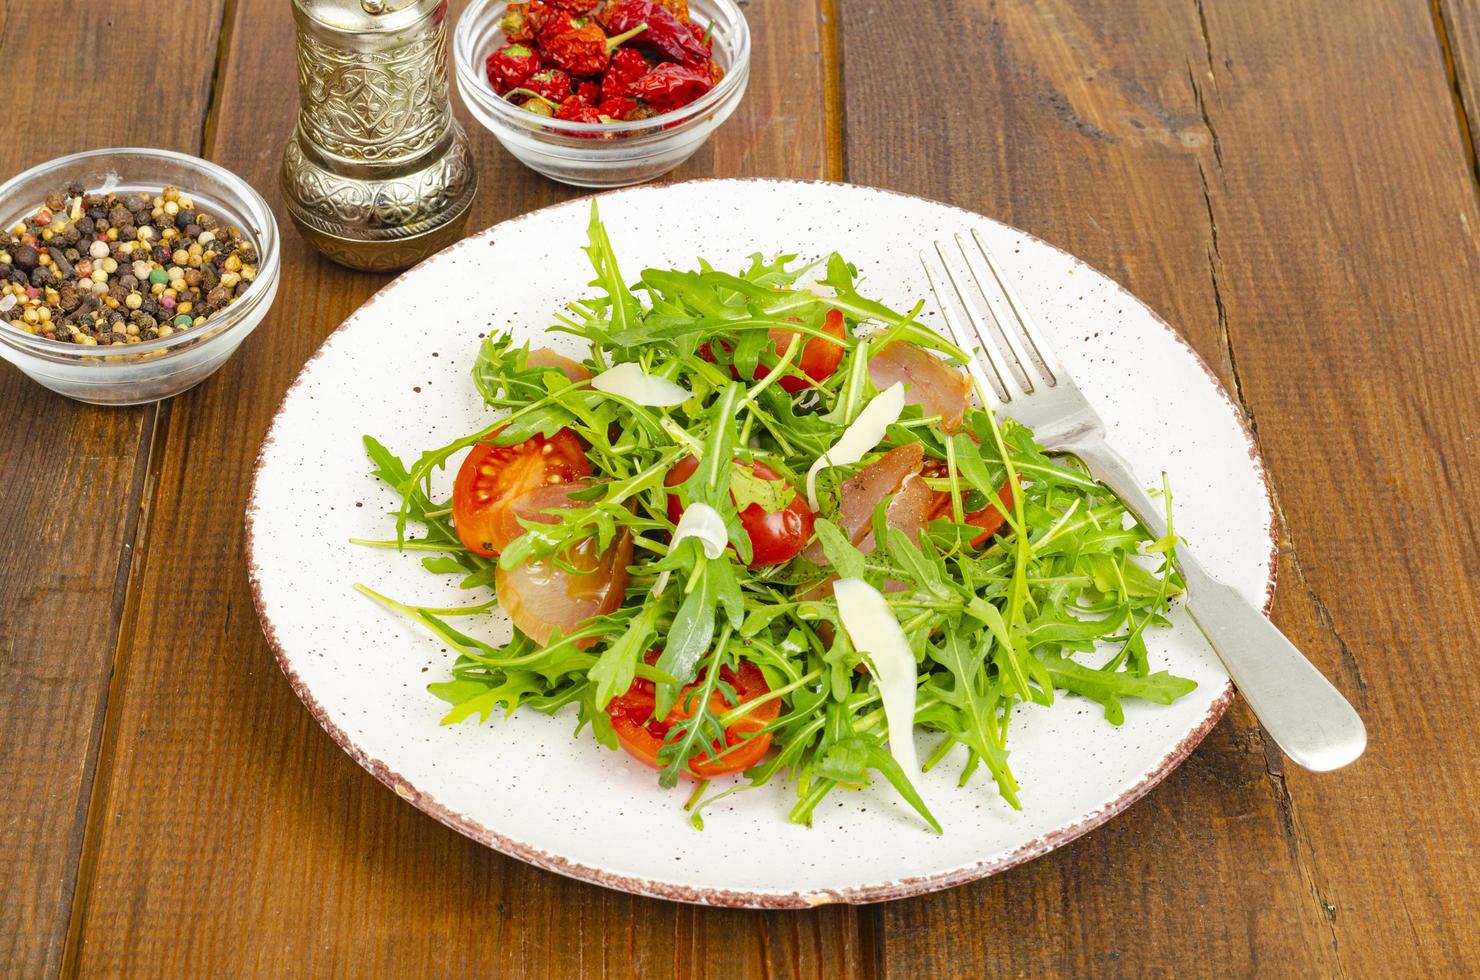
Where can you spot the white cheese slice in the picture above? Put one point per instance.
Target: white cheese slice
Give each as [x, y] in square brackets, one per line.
[862, 436]
[699, 521]
[631, 382]
[877, 635]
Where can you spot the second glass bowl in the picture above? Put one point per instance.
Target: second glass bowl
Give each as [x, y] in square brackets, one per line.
[601, 154]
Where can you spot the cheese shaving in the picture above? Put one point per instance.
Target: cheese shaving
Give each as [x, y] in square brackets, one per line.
[876, 634]
[859, 438]
[631, 382]
[699, 521]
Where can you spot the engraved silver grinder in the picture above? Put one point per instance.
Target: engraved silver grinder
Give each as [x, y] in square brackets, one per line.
[378, 174]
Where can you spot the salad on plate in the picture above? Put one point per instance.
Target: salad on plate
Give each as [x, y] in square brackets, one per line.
[760, 534]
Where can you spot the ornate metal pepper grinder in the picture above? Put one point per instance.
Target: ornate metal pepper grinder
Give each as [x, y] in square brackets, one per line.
[378, 174]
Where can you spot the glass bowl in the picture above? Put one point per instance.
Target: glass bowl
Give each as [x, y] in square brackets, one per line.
[601, 154]
[152, 369]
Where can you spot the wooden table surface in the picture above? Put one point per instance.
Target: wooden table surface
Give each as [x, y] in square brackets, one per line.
[1291, 183]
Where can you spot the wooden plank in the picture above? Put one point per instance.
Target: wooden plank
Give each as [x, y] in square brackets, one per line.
[1348, 264]
[1457, 27]
[74, 474]
[235, 836]
[1279, 202]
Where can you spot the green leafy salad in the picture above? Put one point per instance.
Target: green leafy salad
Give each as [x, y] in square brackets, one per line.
[761, 534]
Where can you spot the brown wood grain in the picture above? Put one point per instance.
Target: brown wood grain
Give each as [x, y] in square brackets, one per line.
[1285, 183]
[1349, 258]
[1457, 27]
[234, 837]
[73, 474]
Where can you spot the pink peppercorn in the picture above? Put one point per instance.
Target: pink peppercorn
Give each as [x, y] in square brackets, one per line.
[43, 217]
[84, 267]
[32, 292]
[168, 302]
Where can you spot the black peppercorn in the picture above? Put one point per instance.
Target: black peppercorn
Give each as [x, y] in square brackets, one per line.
[26, 257]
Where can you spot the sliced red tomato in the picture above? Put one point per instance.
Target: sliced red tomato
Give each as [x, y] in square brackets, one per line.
[493, 477]
[776, 536]
[642, 735]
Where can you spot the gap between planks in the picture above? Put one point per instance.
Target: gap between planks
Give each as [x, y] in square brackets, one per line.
[1456, 90]
[835, 106]
[96, 788]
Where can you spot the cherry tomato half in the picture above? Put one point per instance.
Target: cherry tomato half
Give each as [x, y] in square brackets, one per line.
[820, 358]
[642, 735]
[493, 477]
[989, 518]
[775, 536]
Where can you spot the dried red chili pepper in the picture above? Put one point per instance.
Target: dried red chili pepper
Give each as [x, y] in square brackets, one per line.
[509, 66]
[627, 66]
[669, 86]
[589, 92]
[556, 23]
[701, 35]
[619, 108]
[522, 21]
[552, 84]
[574, 110]
[574, 6]
[666, 35]
[679, 8]
[587, 50]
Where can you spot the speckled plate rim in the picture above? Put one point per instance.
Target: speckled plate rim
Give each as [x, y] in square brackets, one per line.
[900, 888]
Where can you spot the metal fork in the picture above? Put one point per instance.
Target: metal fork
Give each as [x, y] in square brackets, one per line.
[1301, 710]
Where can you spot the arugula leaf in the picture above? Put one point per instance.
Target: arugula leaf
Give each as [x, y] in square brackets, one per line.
[1107, 688]
[509, 691]
[846, 560]
[773, 496]
[625, 310]
[614, 670]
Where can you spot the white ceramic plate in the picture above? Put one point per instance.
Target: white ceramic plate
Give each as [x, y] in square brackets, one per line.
[398, 369]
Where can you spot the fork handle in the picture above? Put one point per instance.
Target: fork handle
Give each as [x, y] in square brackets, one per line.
[1299, 708]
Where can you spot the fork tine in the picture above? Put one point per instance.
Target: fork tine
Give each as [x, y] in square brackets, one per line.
[985, 344]
[991, 392]
[1002, 319]
[1041, 348]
